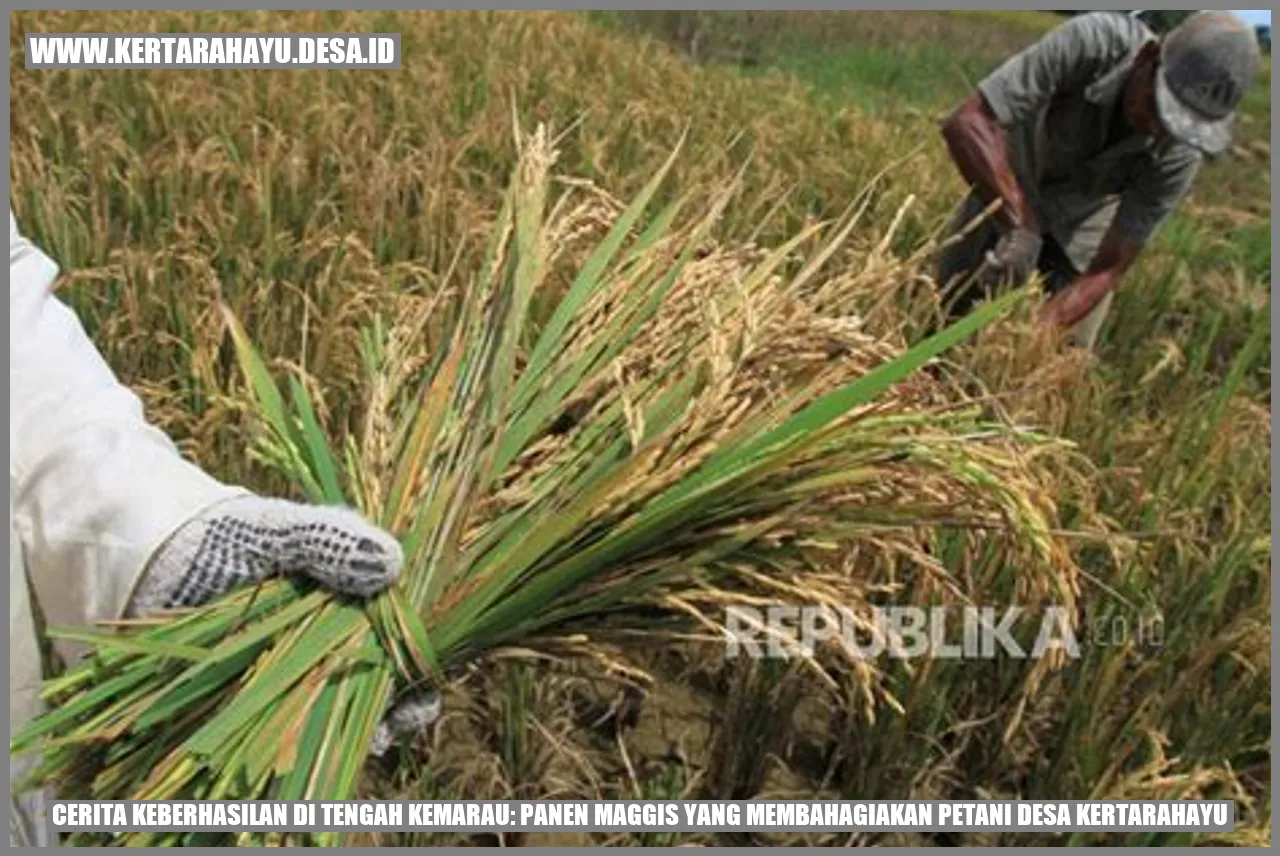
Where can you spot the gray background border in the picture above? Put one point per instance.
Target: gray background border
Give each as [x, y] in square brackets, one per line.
[398, 5]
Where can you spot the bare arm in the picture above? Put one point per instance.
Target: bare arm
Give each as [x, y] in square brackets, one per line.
[980, 150]
[1116, 255]
[1067, 59]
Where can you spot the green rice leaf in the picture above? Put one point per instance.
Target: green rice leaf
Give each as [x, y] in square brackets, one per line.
[319, 454]
[294, 784]
[164, 650]
[265, 392]
[331, 628]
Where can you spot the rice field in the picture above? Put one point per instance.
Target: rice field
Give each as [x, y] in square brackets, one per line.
[347, 222]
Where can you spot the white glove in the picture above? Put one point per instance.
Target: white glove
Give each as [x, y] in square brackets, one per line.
[1015, 256]
[248, 539]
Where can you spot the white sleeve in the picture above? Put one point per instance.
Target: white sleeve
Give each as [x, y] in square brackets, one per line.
[96, 488]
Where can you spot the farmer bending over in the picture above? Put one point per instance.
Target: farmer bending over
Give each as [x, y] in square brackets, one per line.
[1088, 139]
[106, 520]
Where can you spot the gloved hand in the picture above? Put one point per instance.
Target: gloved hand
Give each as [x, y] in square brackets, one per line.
[247, 539]
[410, 716]
[1015, 257]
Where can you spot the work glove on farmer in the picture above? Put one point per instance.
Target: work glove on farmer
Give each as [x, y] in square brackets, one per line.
[248, 539]
[1014, 257]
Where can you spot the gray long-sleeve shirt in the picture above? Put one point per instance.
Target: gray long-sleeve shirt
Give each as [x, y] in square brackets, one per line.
[1060, 100]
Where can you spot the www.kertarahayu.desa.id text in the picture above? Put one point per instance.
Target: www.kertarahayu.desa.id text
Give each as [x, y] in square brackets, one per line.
[211, 50]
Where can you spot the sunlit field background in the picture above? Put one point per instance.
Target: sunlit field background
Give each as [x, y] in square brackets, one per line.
[310, 202]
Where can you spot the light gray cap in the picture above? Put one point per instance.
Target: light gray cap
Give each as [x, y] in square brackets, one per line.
[1206, 64]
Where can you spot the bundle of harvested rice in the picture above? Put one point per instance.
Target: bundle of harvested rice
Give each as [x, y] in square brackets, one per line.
[678, 428]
